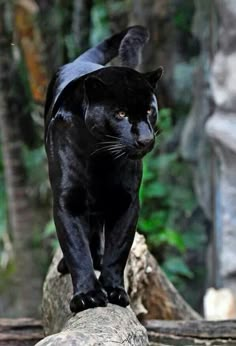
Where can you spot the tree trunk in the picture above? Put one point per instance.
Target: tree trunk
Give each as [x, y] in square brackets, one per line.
[195, 145]
[150, 293]
[29, 37]
[112, 325]
[161, 49]
[81, 24]
[20, 213]
[221, 128]
[118, 15]
[51, 34]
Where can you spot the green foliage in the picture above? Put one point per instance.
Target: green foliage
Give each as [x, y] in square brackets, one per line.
[3, 210]
[166, 193]
[183, 15]
[49, 234]
[6, 274]
[166, 200]
[3, 204]
[100, 22]
[62, 14]
[175, 267]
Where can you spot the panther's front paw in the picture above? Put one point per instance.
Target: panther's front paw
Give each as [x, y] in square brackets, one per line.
[117, 295]
[91, 299]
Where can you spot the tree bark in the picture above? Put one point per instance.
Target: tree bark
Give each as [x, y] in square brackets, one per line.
[201, 333]
[26, 278]
[20, 332]
[221, 129]
[152, 295]
[29, 37]
[81, 24]
[51, 33]
[161, 49]
[112, 325]
[150, 292]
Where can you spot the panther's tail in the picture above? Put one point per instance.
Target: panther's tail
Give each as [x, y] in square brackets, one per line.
[127, 44]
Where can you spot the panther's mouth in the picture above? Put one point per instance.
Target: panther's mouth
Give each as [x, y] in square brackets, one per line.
[138, 152]
[137, 156]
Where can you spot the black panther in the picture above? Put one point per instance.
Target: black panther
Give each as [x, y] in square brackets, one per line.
[99, 123]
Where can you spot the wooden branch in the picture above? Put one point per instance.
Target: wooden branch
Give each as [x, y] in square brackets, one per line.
[112, 325]
[20, 331]
[201, 333]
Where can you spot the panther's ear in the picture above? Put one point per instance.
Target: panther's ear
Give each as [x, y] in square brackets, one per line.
[95, 89]
[154, 76]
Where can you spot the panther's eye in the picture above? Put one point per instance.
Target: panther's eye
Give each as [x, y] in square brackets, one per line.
[149, 112]
[121, 115]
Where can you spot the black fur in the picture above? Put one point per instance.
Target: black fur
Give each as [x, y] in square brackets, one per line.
[131, 45]
[99, 123]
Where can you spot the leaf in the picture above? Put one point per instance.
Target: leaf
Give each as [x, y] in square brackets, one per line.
[177, 266]
[168, 237]
[165, 121]
[50, 229]
[164, 160]
[194, 240]
[173, 238]
[155, 189]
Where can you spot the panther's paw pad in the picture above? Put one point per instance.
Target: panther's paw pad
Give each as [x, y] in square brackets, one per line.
[117, 295]
[91, 299]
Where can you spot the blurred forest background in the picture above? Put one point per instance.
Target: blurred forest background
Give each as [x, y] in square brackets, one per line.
[187, 199]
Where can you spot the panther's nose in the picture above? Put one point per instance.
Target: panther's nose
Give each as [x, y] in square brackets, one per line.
[145, 137]
[144, 142]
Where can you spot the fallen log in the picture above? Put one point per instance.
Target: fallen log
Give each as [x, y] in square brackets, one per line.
[150, 292]
[20, 331]
[200, 333]
[112, 325]
[152, 295]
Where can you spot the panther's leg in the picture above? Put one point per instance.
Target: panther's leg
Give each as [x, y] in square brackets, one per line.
[119, 235]
[96, 248]
[73, 235]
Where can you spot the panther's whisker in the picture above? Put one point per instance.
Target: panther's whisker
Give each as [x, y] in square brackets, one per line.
[157, 132]
[120, 155]
[110, 143]
[114, 142]
[97, 150]
[108, 148]
[115, 152]
[113, 147]
[112, 136]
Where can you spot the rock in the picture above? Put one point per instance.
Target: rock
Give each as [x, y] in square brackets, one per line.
[221, 129]
[195, 146]
[219, 304]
